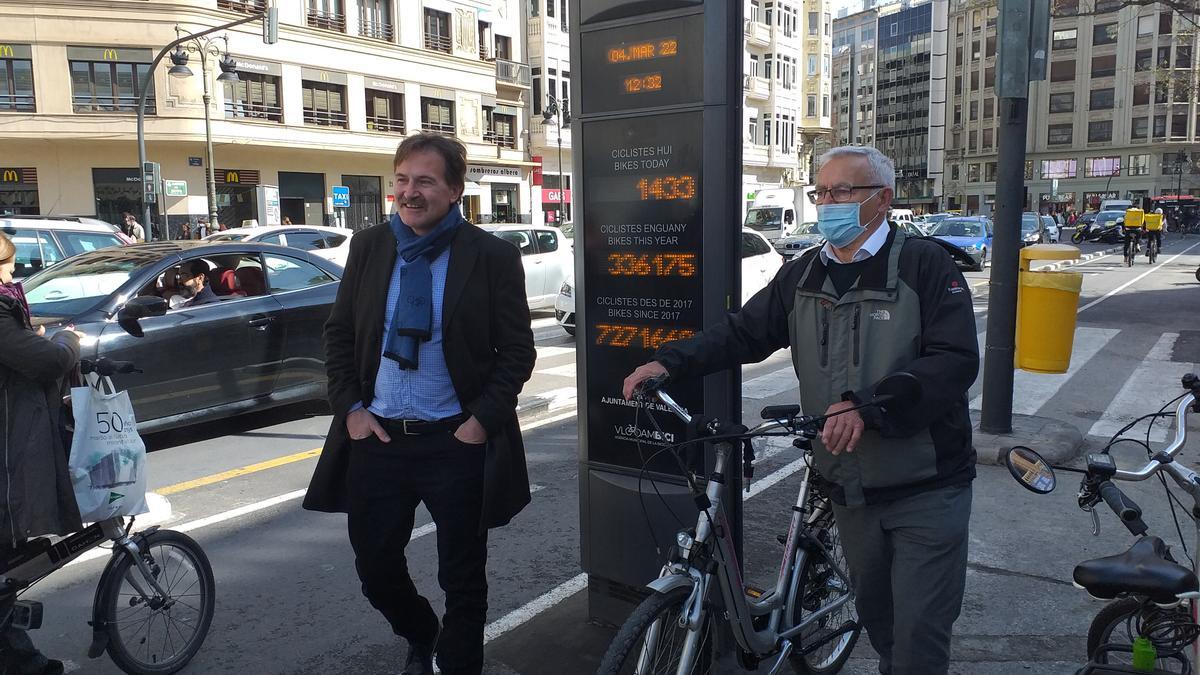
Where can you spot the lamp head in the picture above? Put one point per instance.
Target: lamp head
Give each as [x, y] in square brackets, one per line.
[228, 69]
[179, 58]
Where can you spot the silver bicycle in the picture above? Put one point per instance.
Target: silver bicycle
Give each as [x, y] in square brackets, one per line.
[806, 620]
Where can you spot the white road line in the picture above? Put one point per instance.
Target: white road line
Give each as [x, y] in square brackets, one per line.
[543, 323]
[561, 398]
[771, 384]
[1136, 279]
[1031, 391]
[559, 371]
[552, 351]
[1148, 387]
[577, 583]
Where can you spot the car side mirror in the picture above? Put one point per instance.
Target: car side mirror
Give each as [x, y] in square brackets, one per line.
[139, 308]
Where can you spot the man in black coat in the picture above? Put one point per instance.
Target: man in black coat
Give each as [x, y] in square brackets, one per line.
[427, 347]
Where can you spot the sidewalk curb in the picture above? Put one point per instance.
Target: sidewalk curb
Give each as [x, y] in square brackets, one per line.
[537, 407]
[1057, 441]
[1054, 267]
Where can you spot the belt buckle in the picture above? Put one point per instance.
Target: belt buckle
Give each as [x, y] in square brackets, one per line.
[406, 431]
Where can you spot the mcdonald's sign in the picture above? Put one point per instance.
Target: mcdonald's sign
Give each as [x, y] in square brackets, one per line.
[6, 51]
[111, 55]
[12, 175]
[237, 176]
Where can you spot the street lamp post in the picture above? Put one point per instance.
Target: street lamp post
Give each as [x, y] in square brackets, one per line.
[270, 20]
[560, 113]
[205, 47]
[1180, 159]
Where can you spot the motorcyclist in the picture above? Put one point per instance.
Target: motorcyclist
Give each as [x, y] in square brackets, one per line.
[38, 499]
[1132, 226]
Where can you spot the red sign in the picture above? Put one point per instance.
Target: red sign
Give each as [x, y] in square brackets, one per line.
[537, 170]
[555, 195]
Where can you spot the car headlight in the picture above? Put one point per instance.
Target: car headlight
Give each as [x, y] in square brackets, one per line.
[566, 289]
[1032, 236]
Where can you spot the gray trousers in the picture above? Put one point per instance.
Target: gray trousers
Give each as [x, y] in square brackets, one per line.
[908, 563]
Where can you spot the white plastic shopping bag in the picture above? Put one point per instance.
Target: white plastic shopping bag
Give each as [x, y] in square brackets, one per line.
[108, 457]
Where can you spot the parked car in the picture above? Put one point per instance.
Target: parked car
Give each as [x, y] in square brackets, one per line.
[546, 255]
[972, 234]
[45, 241]
[803, 238]
[760, 263]
[258, 346]
[331, 243]
[1050, 227]
[1033, 231]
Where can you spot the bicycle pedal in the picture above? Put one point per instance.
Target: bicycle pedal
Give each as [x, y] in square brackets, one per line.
[754, 592]
[27, 615]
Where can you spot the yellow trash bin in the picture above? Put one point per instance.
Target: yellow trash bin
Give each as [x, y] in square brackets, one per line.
[1046, 307]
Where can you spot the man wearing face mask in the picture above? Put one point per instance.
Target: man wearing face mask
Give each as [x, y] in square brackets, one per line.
[869, 303]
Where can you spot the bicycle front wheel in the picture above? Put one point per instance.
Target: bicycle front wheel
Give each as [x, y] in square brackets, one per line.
[152, 634]
[652, 641]
[832, 637]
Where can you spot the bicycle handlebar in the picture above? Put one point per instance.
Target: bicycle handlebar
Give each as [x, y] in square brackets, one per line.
[1173, 449]
[1119, 502]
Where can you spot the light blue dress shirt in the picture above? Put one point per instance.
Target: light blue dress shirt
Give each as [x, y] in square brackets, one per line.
[427, 392]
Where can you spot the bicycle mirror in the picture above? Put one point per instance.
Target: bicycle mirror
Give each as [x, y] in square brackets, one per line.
[1030, 469]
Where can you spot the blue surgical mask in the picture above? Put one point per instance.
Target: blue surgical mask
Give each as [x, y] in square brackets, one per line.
[839, 223]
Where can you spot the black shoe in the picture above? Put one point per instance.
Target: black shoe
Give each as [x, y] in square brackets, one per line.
[420, 656]
[53, 667]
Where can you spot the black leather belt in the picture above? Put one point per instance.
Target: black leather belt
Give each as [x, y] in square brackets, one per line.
[423, 427]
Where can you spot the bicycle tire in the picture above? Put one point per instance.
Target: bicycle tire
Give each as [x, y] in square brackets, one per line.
[1152, 250]
[1112, 625]
[817, 584]
[169, 554]
[625, 650]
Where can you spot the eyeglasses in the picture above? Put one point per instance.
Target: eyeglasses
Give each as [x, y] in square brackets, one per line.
[839, 194]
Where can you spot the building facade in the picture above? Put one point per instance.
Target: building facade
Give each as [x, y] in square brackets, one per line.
[326, 105]
[1116, 117]
[786, 71]
[854, 69]
[902, 122]
[548, 30]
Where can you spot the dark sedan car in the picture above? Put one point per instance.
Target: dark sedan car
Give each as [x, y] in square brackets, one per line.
[258, 345]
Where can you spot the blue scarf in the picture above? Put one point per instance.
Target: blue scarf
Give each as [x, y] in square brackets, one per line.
[412, 317]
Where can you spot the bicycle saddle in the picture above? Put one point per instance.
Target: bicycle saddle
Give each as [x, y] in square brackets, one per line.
[1142, 570]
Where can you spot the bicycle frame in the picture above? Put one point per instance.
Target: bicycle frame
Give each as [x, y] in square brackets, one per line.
[779, 602]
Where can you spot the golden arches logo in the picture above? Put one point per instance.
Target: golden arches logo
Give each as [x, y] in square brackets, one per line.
[11, 176]
[6, 51]
[110, 55]
[232, 177]
[324, 77]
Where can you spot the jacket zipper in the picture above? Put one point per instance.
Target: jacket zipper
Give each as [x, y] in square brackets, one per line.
[854, 329]
[825, 338]
[12, 523]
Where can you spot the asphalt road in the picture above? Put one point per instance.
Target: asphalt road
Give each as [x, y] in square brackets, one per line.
[289, 601]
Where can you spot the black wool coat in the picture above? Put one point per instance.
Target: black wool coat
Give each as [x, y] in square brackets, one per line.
[487, 341]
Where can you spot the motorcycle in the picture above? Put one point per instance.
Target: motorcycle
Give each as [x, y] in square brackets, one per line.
[1111, 234]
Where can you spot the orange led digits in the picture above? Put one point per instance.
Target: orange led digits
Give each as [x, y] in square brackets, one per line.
[652, 265]
[667, 187]
[641, 51]
[642, 83]
[619, 335]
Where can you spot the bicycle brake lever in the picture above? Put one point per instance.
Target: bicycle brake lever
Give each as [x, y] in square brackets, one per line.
[1095, 523]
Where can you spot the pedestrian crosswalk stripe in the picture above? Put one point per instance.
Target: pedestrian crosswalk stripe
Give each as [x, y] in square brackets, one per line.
[548, 352]
[559, 371]
[1153, 383]
[1031, 391]
[771, 384]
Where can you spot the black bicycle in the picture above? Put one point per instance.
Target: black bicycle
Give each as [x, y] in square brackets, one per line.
[1133, 238]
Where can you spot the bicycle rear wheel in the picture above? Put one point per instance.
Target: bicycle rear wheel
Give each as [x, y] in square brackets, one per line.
[1116, 624]
[837, 632]
[155, 634]
[652, 642]
[1152, 251]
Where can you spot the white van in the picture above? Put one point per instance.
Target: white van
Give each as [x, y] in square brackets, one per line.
[905, 215]
[1115, 205]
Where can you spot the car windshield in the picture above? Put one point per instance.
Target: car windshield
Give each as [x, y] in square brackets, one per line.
[1108, 217]
[763, 219]
[807, 228]
[935, 218]
[958, 227]
[226, 236]
[78, 285]
[1029, 223]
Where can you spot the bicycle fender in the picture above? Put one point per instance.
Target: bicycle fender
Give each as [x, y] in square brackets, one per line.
[99, 627]
[669, 583]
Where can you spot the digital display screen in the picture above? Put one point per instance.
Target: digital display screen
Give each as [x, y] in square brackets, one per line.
[642, 248]
[652, 64]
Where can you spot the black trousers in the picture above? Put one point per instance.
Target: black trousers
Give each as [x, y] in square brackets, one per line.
[387, 481]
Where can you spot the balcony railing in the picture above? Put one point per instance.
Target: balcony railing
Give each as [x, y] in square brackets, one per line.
[437, 42]
[245, 6]
[103, 104]
[379, 30]
[324, 118]
[502, 140]
[327, 20]
[511, 72]
[254, 111]
[436, 128]
[19, 102]
[387, 125]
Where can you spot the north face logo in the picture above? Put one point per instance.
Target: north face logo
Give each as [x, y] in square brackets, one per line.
[881, 315]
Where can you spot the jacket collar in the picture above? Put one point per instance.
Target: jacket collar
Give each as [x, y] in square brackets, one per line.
[463, 252]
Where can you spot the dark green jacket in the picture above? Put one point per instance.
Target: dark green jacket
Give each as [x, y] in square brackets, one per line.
[909, 311]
